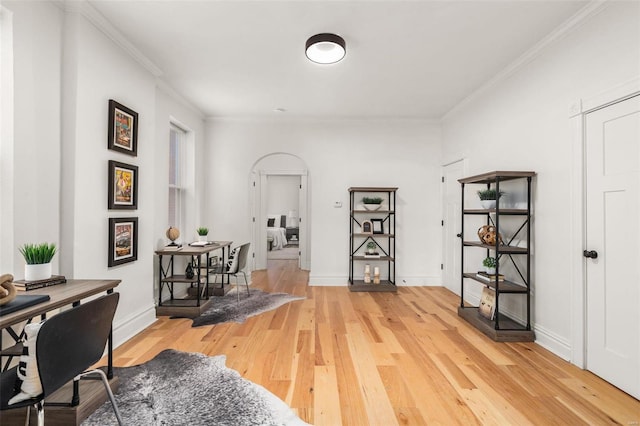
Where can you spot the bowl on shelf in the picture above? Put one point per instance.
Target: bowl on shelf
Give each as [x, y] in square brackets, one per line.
[372, 207]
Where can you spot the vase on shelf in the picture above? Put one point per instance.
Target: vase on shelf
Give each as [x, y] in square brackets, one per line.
[488, 204]
[372, 207]
[37, 271]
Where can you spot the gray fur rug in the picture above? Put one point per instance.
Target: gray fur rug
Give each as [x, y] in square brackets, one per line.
[181, 388]
[228, 309]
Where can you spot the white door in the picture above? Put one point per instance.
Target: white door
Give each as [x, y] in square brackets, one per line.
[451, 205]
[613, 277]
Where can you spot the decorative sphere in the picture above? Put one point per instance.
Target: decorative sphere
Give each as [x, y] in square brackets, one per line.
[173, 233]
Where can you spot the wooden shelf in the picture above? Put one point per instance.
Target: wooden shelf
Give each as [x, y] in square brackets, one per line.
[372, 211]
[512, 212]
[505, 286]
[359, 285]
[373, 258]
[491, 177]
[510, 331]
[501, 249]
[183, 307]
[359, 234]
[372, 189]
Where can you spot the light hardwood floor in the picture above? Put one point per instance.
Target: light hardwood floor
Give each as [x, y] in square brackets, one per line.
[342, 358]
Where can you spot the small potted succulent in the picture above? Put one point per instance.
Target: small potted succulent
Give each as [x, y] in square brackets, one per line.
[372, 203]
[371, 247]
[488, 198]
[38, 260]
[202, 233]
[489, 264]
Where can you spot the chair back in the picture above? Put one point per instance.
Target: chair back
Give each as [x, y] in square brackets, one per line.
[242, 257]
[72, 341]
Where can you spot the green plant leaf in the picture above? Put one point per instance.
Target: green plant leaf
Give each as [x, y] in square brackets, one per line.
[38, 253]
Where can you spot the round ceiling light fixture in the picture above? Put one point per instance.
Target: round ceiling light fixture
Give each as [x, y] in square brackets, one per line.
[325, 48]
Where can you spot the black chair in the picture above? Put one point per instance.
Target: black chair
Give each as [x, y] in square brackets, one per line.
[242, 252]
[68, 344]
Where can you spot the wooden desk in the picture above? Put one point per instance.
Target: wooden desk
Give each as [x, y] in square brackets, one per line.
[198, 300]
[91, 392]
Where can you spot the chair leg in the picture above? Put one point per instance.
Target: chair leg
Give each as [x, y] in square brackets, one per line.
[40, 409]
[107, 388]
[246, 283]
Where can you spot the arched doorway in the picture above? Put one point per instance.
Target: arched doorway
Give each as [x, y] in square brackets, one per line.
[278, 164]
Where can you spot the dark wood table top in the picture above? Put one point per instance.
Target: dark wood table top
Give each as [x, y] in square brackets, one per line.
[194, 250]
[60, 295]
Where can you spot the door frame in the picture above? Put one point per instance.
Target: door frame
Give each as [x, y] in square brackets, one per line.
[577, 116]
[259, 214]
[452, 240]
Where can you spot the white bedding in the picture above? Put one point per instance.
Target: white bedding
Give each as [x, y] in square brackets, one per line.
[279, 237]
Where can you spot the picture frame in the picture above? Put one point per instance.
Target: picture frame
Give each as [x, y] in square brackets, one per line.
[123, 186]
[123, 129]
[123, 240]
[367, 227]
[377, 226]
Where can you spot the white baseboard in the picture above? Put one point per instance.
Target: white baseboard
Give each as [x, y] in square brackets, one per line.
[553, 343]
[126, 328]
[406, 281]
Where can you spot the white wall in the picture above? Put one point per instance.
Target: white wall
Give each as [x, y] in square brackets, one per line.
[283, 195]
[522, 123]
[60, 151]
[339, 154]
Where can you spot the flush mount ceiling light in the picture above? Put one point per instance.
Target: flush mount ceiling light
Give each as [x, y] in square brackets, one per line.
[325, 48]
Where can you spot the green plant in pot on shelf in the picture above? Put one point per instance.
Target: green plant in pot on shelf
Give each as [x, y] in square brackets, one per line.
[490, 264]
[488, 198]
[371, 247]
[38, 260]
[202, 233]
[372, 203]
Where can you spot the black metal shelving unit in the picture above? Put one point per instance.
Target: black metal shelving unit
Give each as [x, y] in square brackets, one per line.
[385, 241]
[501, 328]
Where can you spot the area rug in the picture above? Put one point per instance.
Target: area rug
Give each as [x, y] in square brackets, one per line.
[228, 309]
[182, 388]
[287, 253]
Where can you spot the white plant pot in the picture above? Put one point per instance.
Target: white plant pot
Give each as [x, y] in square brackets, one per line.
[203, 238]
[490, 271]
[372, 207]
[488, 204]
[38, 271]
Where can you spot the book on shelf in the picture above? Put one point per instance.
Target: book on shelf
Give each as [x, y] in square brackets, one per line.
[487, 306]
[489, 277]
[24, 285]
[372, 255]
[202, 243]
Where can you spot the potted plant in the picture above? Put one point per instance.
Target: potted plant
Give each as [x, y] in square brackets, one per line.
[38, 260]
[372, 203]
[202, 233]
[371, 247]
[489, 264]
[488, 198]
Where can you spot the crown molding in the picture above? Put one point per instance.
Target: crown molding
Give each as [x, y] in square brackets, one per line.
[100, 22]
[164, 87]
[591, 9]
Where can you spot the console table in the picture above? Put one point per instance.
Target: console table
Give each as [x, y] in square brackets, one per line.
[91, 392]
[198, 299]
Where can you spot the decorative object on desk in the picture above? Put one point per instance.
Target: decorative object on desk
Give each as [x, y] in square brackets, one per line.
[228, 309]
[367, 274]
[376, 275]
[24, 285]
[372, 203]
[123, 186]
[488, 235]
[123, 129]
[202, 391]
[38, 260]
[487, 306]
[490, 264]
[367, 227]
[488, 198]
[377, 226]
[188, 272]
[173, 234]
[7, 289]
[202, 233]
[123, 240]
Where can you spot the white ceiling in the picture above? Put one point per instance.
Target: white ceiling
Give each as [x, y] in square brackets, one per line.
[415, 59]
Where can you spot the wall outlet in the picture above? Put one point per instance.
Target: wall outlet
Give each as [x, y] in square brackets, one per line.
[337, 204]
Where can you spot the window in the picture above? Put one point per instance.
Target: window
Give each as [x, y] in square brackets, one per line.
[177, 139]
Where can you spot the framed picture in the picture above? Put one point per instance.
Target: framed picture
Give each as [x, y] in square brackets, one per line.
[123, 129]
[123, 186]
[123, 240]
[377, 226]
[367, 228]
